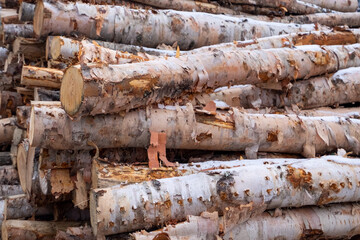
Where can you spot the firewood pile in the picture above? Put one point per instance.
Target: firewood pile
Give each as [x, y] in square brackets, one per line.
[180, 119]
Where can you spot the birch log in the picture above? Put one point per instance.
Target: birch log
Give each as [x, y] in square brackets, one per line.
[9, 175]
[41, 77]
[149, 29]
[33, 230]
[341, 6]
[26, 12]
[23, 116]
[342, 87]
[5, 158]
[41, 94]
[98, 89]
[326, 19]
[9, 101]
[7, 127]
[329, 179]
[51, 128]
[11, 31]
[335, 221]
[10, 190]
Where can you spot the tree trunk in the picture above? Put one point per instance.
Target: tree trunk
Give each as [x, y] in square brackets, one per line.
[33, 230]
[98, 89]
[26, 12]
[9, 101]
[315, 92]
[291, 6]
[11, 31]
[9, 175]
[247, 189]
[7, 127]
[41, 77]
[31, 48]
[302, 223]
[51, 128]
[5, 158]
[149, 29]
[341, 6]
[41, 94]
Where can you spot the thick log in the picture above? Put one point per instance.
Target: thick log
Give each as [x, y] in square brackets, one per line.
[9, 175]
[134, 85]
[26, 12]
[11, 31]
[31, 48]
[341, 6]
[149, 29]
[5, 158]
[312, 93]
[41, 77]
[41, 94]
[33, 230]
[7, 127]
[9, 101]
[318, 181]
[226, 131]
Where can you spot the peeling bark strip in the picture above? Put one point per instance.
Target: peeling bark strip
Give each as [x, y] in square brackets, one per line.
[342, 87]
[336, 221]
[151, 28]
[317, 181]
[98, 89]
[41, 77]
[50, 127]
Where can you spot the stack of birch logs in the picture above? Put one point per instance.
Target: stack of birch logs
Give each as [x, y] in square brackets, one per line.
[179, 119]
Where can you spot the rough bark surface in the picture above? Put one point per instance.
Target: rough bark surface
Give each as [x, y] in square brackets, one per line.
[41, 77]
[26, 12]
[11, 31]
[111, 23]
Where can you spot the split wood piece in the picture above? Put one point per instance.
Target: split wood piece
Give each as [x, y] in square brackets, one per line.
[98, 89]
[54, 159]
[9, 16]
[51, 128]
[10, 190]
[76, 233]
[31, 48]
[169, 27]
[157, 150]
[317, 181]
[18, 137]
[107, 175]
[26, 12]
[315, 92]
[41, 77]
[23, 116]
[203, 227]
[7, 127]
[41, 94]
[11, 31]
[9, 101]
[13, 63]
[5, 158]
[291, 6]
[299, 223]
[341, 6]
[33, 230]
[9, 175]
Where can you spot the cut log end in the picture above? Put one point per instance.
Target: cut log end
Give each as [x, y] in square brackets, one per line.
[72, 89]
[53, 47]
[38, 18]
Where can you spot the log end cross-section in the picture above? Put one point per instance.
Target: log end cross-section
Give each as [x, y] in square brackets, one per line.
[72, 89]
[38, 18]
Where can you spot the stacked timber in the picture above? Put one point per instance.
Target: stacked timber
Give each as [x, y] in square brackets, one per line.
[179, 119]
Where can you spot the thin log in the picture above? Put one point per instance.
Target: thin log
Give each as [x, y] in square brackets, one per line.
[9, 101]
[7, 127]
[168, 28]
[318, 181]
[312, 93]
[41, 94]
[5, 158]
[50, 127]
[26, 12]
[33, 230]
[130, 86]
[11, 31]
[31, 48]
[41, 77]
[341, 6]
[9, 175]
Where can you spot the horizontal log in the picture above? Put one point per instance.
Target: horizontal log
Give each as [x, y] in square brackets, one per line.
[144, 32]
[9, 16]
[313, 93]
[318, 181]
[11, 31]
[134, 85]
[350, 19]
[51, 128]
[5, 158]
[33, 230]
[41, 77]
[10, 190]
[41, 94]
[13, 64]
[26, 12]
[341, 6]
